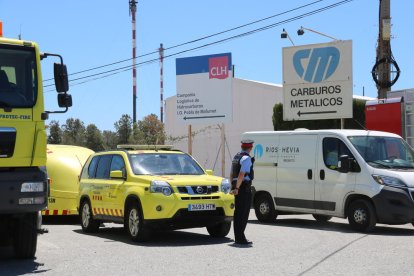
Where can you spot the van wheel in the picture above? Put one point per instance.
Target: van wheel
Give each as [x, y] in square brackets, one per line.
[88, 223]
[219, 230]
[134, 223]
[25, 236]
[361, 215]
[322, 218]
[264, 208]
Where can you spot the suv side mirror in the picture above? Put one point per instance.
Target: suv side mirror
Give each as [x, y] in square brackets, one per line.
[209, 172]
[117, 174]
[61, 77]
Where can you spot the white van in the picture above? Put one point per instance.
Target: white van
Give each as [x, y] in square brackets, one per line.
[365, 176]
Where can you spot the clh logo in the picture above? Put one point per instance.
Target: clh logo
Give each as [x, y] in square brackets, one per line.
[258, 151]
[322, 63]
[218, 67]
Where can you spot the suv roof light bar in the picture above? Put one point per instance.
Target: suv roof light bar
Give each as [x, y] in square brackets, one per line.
[145, 147]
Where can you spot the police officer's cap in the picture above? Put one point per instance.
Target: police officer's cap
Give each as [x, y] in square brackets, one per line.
[247, 143]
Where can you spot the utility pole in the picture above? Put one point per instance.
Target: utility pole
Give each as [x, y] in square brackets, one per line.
[132, 11]
[161, 51]
[384, 49]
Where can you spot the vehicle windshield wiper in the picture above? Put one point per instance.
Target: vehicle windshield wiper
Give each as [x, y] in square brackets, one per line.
[381, 164]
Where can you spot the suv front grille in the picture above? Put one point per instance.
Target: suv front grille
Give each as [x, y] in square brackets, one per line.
[198, 190]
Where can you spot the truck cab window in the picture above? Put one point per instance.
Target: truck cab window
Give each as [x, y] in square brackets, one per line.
[18, 77]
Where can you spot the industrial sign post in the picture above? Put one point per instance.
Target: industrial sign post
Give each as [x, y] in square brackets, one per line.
[317, 81]
[204, 89]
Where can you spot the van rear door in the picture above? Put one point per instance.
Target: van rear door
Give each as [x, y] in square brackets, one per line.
[296, 168]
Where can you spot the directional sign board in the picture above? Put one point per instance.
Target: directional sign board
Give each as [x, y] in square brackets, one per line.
[317, 81]
[204, 89]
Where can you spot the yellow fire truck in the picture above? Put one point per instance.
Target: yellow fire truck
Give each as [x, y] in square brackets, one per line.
[23, 178]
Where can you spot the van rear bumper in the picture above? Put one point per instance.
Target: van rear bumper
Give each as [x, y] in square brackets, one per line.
[394, 206]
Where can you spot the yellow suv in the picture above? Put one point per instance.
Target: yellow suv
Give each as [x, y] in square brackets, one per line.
[152, 187]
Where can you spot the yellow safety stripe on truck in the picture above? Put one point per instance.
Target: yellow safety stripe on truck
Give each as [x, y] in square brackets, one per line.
[58, 212]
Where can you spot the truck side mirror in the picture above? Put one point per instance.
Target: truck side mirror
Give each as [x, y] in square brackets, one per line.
[61, 77]
[64, 100]
[344, 164]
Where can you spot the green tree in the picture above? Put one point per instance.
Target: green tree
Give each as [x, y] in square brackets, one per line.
[55, 133]
[123, 129]
[149, 131]
[357, 122]
[110, 139]
[74, 132]
[94, 139]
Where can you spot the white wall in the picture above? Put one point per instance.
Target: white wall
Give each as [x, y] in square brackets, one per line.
[253, 104]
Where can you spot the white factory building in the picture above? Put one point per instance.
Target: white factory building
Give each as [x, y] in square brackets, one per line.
[253, 104]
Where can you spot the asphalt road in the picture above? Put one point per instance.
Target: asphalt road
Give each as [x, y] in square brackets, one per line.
[294, 245]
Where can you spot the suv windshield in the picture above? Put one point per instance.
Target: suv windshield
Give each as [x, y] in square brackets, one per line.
[164, 164]
[384, 152]
[18, 77]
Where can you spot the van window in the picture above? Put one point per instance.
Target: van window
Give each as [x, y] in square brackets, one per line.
[333, 148]
[102, 171]
[384, 152]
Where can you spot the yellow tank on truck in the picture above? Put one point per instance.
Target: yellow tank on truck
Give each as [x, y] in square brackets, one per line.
[64, 165]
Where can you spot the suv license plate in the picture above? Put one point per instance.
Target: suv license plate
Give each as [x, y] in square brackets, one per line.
[201, 207]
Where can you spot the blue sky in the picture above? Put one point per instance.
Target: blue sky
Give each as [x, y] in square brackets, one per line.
[93, 33]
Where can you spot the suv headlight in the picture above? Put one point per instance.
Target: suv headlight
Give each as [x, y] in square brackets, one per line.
[159, 186]
[389, 181]
[225, 186]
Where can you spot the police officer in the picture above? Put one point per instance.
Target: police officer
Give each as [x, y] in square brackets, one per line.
[242, 175]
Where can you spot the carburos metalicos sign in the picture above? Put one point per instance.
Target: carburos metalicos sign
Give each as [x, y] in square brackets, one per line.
[317, 81]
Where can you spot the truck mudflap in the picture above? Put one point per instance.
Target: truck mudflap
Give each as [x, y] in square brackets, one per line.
[15, 201]
[394, 206]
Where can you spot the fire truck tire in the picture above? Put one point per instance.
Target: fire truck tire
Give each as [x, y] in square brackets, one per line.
[25, 236]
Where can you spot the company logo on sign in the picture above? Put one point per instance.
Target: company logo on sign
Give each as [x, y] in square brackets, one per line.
[218, 67]
[258, 150]
[321, 63]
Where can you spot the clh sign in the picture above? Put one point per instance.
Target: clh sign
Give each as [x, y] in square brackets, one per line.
[218, 67]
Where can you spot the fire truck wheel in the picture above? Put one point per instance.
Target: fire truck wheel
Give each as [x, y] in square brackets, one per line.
[25, 236]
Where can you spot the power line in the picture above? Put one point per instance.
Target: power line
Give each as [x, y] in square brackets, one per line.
[129, 67]
[198, 39]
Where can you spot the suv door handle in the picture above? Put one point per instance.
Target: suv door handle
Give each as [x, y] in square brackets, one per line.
[322, 174]
[309, 174]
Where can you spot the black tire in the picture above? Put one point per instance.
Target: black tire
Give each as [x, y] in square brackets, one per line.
[134, 223]
[88, 223]
[219, 230]
[25, 236]
[361, 215]
[265, 208]
[321, 218]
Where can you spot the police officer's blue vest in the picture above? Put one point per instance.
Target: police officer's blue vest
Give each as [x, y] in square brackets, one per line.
[236, 166]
